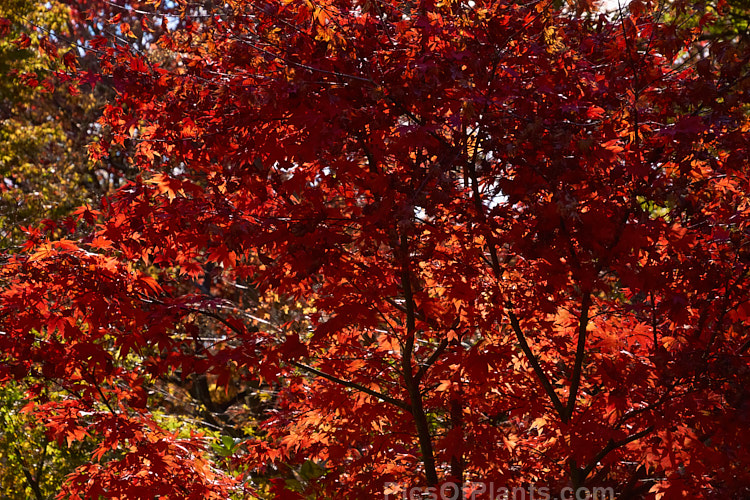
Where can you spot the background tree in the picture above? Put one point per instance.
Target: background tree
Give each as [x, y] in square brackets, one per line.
[44, 130]
[53, 96]
[46, 125]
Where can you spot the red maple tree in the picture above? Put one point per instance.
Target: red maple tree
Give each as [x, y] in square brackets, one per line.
[464, 242]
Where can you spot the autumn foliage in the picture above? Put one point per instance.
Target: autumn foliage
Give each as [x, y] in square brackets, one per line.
[456, 241]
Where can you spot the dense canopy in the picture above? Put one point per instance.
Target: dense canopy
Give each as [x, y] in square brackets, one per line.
[391, 245]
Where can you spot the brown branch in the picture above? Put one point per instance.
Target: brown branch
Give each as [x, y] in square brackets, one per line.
[744, 347]
[638, 411]
[42, 458]
[352, 385]
[410, 381]
[580, 353]
[33, 483]
[371, 163]
[613, 445]
[431, 360]
[536, 366]
[310, 369]
[479, 207]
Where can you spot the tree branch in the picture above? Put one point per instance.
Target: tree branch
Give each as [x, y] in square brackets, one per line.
[536, 366]
[410, 381]
[33, 483]
[580, 353]
[310, 369]
[431, 360]
[613, 445]
[352, 385]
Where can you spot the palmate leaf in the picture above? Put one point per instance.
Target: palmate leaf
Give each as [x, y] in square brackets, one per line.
[410, 244]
